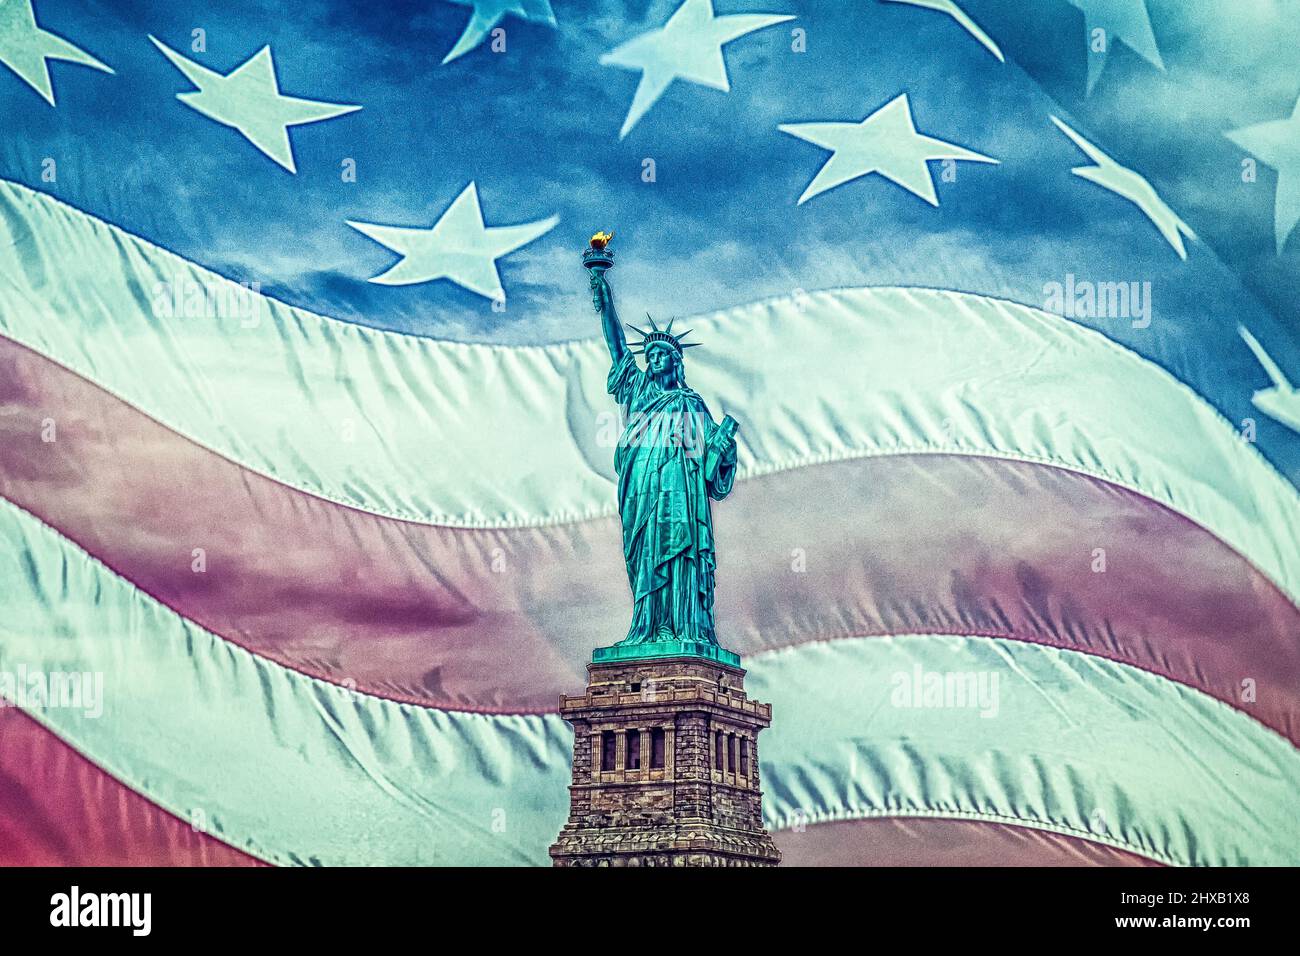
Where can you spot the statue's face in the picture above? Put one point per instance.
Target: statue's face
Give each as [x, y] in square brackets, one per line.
[660, 359]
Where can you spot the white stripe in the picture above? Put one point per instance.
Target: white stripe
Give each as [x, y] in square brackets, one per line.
[294, 770]
[477, 435]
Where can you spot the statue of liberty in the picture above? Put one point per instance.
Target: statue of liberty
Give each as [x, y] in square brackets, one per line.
[672, 458]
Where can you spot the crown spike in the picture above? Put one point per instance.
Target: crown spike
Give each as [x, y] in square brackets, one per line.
[658, 336]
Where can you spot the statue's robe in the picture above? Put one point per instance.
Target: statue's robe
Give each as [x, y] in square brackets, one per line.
[671, 459]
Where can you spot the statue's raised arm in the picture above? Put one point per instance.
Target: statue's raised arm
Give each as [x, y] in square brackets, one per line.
[598, 259]
[603, 299]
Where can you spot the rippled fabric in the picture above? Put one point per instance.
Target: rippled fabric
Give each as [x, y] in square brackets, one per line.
[935, 841]
[496, 436]
[1071, 742]
[283, 767]
[59, 809]
[491, 619]
[294, 770]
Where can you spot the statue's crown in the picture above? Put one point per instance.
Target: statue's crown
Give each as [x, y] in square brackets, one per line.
[660, 336]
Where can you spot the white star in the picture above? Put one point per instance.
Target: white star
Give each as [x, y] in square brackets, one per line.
[1277, 143]
[687, 47]
[1125, 182]
[26, 49]
[886, 142]
[488, 13]
[248, 98]
[1282, 401]
[1125, 20]
[458, 247]
[957, 13]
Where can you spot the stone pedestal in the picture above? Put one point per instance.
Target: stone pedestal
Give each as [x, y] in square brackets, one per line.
[665, 767]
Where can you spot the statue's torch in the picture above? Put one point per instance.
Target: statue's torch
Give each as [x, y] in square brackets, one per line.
[598, 259]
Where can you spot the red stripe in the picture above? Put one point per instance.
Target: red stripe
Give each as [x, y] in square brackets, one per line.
[59, 809]
[934, 841]
[504, 620]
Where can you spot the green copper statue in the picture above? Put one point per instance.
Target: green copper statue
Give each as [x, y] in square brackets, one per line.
[671, 459]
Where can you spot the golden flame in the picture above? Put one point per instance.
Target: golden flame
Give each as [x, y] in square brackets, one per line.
[601, 239]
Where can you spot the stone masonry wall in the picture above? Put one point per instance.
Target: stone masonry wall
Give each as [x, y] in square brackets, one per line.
[687, 812]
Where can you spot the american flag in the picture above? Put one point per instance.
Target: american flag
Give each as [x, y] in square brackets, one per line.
[306, 459]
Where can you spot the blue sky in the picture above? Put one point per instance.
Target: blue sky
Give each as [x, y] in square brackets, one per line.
[536, 127]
